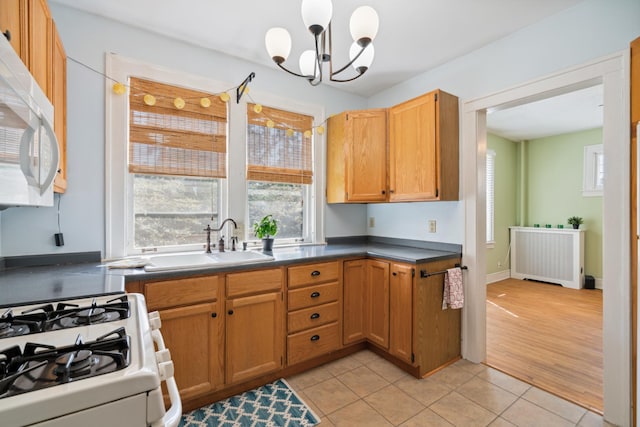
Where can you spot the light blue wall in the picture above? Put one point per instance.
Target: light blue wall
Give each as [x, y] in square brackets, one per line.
[87, 38]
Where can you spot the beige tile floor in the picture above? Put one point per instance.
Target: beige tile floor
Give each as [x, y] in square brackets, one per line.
[365, 390]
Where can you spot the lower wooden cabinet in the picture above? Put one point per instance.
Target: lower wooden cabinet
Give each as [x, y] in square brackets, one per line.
[377, 303]
[401, 311]
[193, 330]
[254, 325]
[354, 315]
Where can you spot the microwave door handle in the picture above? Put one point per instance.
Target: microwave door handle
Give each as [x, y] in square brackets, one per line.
[26, 143]
[55, 156]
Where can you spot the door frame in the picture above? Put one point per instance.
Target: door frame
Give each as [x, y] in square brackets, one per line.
[613, 73]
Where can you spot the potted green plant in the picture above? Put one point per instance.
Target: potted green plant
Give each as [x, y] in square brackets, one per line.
[575, 221]
[265, 229]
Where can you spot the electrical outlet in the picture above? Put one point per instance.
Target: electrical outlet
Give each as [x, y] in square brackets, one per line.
[499, 264]
[432, 226]
[372, 222]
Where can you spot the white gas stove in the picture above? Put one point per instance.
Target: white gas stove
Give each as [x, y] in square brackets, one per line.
[85, 362]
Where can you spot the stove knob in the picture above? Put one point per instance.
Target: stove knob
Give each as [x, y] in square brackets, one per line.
[165, 369]
[154, 320]
[163, 356]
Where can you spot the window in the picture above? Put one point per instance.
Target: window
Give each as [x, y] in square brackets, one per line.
[593, 172]
[176, 159]
[279, 170]
[491, 173]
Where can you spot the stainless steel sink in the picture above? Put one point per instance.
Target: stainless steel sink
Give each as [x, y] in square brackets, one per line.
[188, 261]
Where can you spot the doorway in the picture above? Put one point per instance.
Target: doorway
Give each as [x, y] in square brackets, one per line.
[613, 73]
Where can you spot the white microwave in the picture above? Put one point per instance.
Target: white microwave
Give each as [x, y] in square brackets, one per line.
[28, 146]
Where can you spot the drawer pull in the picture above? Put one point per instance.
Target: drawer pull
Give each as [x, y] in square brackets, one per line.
[315, 316]
[315, 294]
[214, 315]
[315, 338]
[315, 273]
[230, 312]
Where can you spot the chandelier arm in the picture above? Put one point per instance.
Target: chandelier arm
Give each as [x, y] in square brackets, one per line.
[346, 80]
[291, 72]
[348, 65]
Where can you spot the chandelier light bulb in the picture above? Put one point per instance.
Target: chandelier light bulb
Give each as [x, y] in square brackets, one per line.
[278, 43]
[308, 63]
[365, 59]
[316, 15]
[364, 25]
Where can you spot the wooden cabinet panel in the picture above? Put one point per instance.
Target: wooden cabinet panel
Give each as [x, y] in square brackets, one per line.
[377, 303]
[171, 293]
[357, 157]
[253, 282]
[39, 42]
[312, 342]
[13, 18]
[401, 312]
[423, 148]
[354, 285]
[254, 336]
[313, 295]
[312, 317]
[310, 274]
[194, 336]
[59, 100]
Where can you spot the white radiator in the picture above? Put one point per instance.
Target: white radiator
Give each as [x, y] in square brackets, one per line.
[551, 255]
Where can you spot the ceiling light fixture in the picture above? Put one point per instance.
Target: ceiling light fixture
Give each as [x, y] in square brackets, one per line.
[316, 15]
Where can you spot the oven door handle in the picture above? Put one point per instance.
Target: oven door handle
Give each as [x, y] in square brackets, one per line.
[172, 417]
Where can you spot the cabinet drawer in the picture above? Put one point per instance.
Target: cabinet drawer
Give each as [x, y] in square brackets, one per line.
[312, 317]
[171, 293]
[254, 282]
[312, 296]
[314, 273]
[312, 343]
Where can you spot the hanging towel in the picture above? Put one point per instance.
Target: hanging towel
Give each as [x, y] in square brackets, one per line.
[453, 295]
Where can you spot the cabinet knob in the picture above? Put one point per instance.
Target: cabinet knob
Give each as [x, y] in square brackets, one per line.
[391, 191]
[7, 34]
[230, 312]
[214, 315]
[384, 192]
[315, 273]
[315, 316]
[315, 294]
[394, 273]
[315, 338]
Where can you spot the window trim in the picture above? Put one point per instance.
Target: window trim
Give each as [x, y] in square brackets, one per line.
[490, 205]
[590, 171]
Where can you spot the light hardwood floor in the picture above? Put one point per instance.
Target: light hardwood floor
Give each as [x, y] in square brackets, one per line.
[548, 336]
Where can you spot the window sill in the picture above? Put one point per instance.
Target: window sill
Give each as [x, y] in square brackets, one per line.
[491, 244]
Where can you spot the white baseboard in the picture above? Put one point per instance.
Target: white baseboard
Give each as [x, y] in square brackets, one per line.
[500, 275]
[598, 282]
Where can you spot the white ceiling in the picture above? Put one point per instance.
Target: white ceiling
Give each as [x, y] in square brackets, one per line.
[414, 35]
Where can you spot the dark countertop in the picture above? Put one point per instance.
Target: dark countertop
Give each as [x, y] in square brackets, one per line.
[30, 285]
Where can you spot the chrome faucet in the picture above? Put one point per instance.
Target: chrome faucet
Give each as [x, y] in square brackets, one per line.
[221, 242]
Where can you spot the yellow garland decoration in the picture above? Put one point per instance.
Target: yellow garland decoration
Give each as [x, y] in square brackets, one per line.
[270, 124]
[289, 132]
[119, 88]
[307, 134]
[179, 103]
[205, 102]
[320, 130]
[225, 97]
[149, 100]
[257, 108]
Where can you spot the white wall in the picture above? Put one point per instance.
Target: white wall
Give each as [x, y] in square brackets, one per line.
[87, 38]
[589, 30]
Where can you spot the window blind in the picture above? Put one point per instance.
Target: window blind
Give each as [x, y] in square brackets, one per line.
[275, 154]
[166, 140]
[491, 173]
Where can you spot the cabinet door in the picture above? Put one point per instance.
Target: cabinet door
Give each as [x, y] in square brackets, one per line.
[13, 18]
[366, 136]
[377, 303]
[194, 336]
[40, 44]
[414, 164]
[354, 308]
[59, 101]
[401, 312]
[255, 336]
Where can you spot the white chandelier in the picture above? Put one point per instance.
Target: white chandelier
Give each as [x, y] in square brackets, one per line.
[316, 15]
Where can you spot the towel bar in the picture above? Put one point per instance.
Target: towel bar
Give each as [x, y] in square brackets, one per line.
[424, 273]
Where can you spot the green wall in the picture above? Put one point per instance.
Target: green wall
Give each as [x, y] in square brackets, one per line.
[506, 163]
[551, 191]
[554, 189]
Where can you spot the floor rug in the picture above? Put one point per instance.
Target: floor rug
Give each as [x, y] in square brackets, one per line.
[272, 405]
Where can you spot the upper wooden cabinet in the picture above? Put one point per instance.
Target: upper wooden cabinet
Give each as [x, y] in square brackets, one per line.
[39, 44]
[423, 148]
[357, 157]
[59, 100]
[13, 23]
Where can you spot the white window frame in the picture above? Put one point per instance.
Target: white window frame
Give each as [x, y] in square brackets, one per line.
[491, 195]
[592, 156]
[118, 181]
